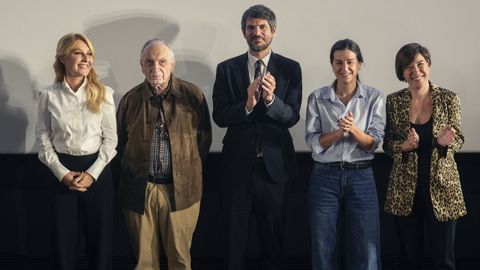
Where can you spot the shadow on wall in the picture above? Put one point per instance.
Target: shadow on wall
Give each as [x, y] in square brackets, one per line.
[13, 122]
[13, 119]
[118, 41]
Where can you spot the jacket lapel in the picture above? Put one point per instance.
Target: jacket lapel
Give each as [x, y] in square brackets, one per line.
[436, 107]
[280, 79]
[240, 73]
[404, 115]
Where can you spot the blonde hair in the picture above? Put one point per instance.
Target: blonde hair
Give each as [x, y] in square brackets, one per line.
[95, 90]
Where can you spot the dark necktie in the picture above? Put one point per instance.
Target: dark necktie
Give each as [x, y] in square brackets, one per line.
[258, 73]
[258, 68]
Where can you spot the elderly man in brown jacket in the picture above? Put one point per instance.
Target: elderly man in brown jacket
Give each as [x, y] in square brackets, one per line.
[164, 135]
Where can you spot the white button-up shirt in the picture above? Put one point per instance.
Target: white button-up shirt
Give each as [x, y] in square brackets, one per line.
[65, 125]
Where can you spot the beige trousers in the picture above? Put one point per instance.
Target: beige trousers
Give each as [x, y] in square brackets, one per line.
[159, 223]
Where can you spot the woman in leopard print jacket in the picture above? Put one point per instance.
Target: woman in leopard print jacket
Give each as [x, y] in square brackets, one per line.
[422, 135]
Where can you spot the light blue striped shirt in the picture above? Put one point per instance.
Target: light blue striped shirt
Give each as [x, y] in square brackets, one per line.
[325, 109]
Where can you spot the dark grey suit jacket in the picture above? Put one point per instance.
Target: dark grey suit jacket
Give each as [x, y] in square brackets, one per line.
[270, 125]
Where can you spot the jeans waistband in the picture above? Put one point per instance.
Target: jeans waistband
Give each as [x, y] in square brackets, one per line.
[343, 165]
[163, 180]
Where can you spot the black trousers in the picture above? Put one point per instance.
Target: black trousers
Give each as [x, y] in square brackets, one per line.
[90, 212]
[440, 235]
[254, 194]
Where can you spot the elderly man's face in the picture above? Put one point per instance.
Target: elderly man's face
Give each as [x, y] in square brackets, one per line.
[157, 65]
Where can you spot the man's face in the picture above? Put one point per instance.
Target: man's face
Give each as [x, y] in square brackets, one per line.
[157, 65]
[258, 34]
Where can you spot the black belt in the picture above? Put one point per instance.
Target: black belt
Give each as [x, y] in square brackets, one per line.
[160, 180]
[350, 165]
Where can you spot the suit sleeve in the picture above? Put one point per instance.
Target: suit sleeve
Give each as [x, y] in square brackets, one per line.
[286, 110]
[227, 111]
[204, 130]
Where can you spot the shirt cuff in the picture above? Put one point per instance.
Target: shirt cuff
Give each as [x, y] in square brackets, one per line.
[59, 171]
[247, 113]
[96, 169]
[270, 103]
[316, 146]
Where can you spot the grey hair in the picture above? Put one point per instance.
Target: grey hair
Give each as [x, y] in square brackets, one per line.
[156, 40]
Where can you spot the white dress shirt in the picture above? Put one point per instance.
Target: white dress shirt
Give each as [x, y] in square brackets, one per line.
[251, 65]
[65, 125]
[263, 70]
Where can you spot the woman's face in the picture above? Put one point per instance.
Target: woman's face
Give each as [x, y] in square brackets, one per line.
[345, 66]
[418, 72]
[78, 62]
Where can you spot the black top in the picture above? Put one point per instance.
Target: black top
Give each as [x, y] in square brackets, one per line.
[424, 149]
[424, 152]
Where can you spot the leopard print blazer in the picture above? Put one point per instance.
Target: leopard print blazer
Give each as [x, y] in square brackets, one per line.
[445, 189]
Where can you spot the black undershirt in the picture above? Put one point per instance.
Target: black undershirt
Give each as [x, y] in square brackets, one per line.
[424, 152]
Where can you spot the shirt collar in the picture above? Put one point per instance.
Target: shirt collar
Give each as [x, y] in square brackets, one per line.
[330, 94]
[252, 59]
[81, 88]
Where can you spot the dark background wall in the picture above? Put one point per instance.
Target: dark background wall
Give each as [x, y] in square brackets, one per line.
[25, 223]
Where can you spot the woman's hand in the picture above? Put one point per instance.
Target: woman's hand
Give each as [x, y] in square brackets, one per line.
[347, 123]
[69, 178]
[412, 141]
[78, 181]
[446, 136]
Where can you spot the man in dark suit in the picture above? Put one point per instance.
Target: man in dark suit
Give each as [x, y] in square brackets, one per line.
[257, 97]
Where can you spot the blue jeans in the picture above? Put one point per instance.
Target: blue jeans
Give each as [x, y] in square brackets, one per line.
[330, 190]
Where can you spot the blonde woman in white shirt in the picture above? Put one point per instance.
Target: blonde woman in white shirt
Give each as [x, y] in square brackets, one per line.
[76, 131]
